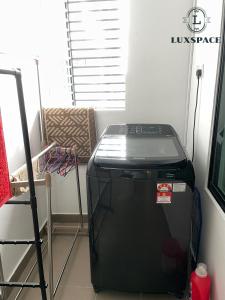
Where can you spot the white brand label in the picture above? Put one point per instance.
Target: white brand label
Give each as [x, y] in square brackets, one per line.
[179, 187]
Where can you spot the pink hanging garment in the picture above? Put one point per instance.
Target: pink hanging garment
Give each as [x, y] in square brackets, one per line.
[5, 190]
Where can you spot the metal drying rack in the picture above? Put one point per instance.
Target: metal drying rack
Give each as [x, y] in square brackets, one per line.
[37, 242]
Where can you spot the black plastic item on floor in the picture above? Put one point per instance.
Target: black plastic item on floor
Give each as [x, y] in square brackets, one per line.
[140, 195]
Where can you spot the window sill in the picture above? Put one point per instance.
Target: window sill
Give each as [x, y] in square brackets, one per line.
[209, 194]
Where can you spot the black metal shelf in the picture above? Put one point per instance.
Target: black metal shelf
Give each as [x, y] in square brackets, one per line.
[19, 202]
[21, 284]
[33, 201]
[20, 242]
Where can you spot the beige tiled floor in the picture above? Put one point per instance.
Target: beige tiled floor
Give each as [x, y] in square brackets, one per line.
[76, 283]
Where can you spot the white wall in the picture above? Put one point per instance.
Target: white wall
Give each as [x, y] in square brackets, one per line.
[157, 77]
[19, 35]
[53, 54]
[213, 238]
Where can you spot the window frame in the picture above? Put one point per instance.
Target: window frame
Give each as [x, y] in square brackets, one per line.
[115, 103]
[219, 197]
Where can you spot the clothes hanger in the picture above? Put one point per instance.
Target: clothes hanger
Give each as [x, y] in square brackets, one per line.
[57, 160]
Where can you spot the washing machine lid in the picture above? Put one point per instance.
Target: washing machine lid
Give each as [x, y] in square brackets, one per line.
[139, 145]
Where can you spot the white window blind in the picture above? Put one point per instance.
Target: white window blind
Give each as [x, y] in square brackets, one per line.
[97, 41]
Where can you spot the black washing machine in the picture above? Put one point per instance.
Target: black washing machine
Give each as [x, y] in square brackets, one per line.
[140, 194]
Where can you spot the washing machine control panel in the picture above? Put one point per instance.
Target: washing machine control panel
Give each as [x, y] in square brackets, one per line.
[150, 130]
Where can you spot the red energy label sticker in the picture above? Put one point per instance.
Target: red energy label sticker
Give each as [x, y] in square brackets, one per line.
[164, 192]
[164, 187]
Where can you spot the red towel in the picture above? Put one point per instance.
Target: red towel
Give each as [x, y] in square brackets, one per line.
[5, 190]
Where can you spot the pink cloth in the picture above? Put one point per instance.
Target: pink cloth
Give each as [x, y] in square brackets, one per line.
[5, 188]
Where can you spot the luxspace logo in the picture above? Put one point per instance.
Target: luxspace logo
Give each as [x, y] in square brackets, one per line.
[196, 21]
